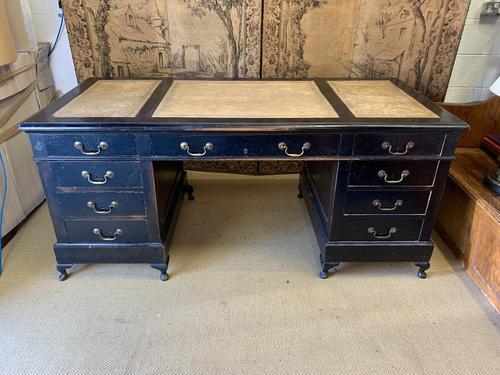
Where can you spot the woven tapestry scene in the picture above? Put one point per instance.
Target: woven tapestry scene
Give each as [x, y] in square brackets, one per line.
[414, 41]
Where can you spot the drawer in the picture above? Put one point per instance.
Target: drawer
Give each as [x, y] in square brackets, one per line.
[101, 204]
[107, 231]
[408, 144]
[378, 228]
[392, 173]
[100, 174]
[386, 202]
[96, 145]
[208, 146]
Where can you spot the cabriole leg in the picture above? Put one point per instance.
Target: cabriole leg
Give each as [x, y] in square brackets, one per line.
[300, 195]
[326, 268]
[162, 267]
[323, 274]
[422, 267]
[189, 191]
[61, 268]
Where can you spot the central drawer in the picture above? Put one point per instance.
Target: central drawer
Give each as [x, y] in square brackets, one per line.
[218, 146]
[107, 231]
[100, 204]
[105, 174]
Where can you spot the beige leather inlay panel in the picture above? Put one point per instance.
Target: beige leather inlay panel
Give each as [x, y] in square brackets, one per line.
[379, 99]
[116, 98]
[244, 99]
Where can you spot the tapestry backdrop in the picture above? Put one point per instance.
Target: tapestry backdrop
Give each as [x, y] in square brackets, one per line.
[413, 40]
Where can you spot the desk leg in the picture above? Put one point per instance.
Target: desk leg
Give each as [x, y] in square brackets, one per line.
[61, 268]
[326, 267]
[300, 195]
[162, 267]
[422, 267]
[170, 184]
[188, 189]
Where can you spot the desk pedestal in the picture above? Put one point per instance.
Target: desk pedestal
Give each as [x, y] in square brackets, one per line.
[353, 223]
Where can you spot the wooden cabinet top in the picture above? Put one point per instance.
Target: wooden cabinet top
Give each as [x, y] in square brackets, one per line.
[241, 105]
[468, 171]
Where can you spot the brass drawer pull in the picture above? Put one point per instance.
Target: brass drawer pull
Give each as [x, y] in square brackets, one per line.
[208, 147]
[98, 233]
[387, 146]
[108, 175]
[282, 146]
[378, 204]
[93, 207]
[383, 174]
[392, 231]
[80, 146]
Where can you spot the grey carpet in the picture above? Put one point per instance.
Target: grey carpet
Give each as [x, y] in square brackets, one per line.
[243, 298]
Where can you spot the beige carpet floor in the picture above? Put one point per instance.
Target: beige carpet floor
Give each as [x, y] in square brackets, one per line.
[244, 298]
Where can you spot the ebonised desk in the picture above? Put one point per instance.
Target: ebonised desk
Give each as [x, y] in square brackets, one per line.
[376, 156]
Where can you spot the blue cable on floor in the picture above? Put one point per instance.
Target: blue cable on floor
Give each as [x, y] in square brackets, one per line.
[4, 196]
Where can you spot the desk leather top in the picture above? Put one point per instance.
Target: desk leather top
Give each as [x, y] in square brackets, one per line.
[110, 99]
[250, 99]
[242, 105]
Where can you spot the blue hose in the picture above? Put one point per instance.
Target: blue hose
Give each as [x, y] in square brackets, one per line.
[4, 198]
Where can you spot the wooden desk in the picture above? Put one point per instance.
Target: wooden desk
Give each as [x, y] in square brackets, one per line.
[110, 156]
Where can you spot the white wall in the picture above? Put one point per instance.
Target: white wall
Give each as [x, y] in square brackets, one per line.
[46, 20]
[478, 59]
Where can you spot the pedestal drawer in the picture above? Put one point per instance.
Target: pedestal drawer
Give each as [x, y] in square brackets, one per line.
[379, 228]
[392, 173]
[373, 202]
[107, 231]
[103, 174]
[101, 204]
[409, 144]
